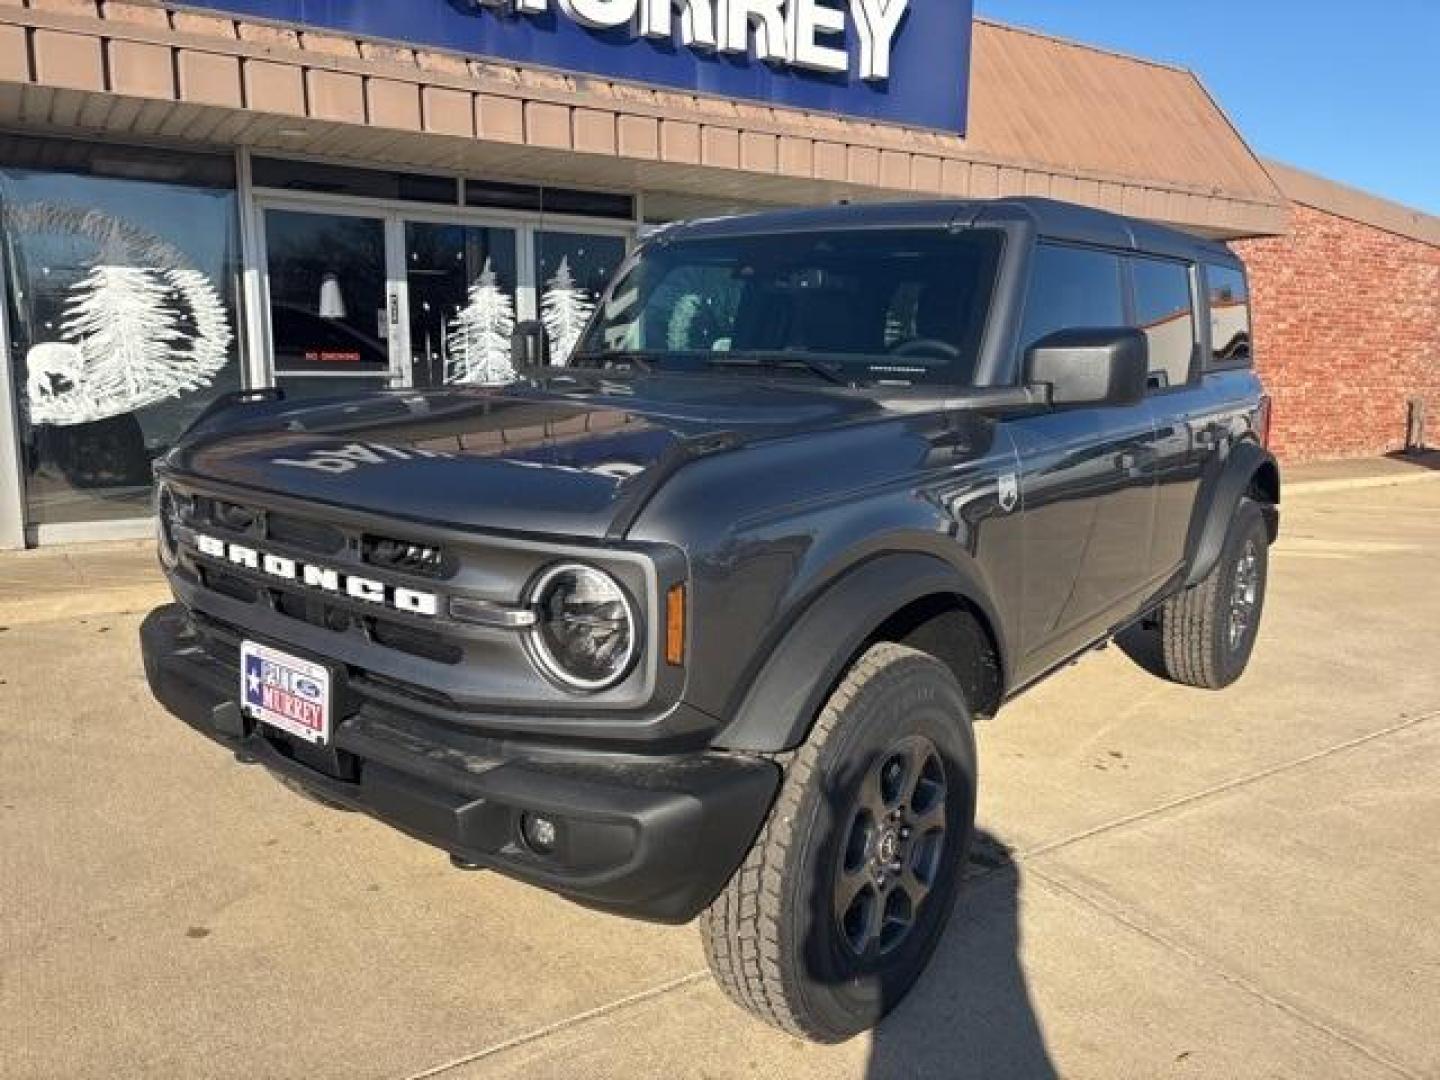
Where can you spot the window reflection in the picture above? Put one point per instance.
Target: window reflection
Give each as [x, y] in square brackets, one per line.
[1229, 315]
[1163, 310]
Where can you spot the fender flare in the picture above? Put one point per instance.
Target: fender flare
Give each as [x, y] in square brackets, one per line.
[1246, 462]
[782, 702]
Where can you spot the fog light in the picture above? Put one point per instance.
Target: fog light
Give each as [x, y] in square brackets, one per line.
[540, 833]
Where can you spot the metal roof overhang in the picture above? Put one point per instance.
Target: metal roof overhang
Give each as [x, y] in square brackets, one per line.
[146, 72]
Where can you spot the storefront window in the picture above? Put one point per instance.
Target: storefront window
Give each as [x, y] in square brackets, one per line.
[572, 270]
[461, 284]
[121, 281]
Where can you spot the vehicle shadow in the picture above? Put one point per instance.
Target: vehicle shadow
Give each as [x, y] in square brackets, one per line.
[1142, 645]
[1421, 459]
[970, 1015]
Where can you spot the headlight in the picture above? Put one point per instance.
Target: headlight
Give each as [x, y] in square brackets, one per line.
[585, 630]
[167, 517]
[172, 509]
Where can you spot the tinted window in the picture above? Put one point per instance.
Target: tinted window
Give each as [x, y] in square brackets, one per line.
[1229, 315]
[1071, 288]
[1163, 310]
[894, 306]
[342, 180]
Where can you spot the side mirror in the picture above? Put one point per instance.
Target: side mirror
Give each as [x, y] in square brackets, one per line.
[528, 347]
[1101, 367]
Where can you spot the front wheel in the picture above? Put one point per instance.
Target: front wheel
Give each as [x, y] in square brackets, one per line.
[844, 896]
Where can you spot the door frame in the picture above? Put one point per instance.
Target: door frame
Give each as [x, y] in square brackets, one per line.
[393, 215]
[12, 478]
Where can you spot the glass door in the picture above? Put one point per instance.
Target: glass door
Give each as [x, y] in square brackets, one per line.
[461, 285]
[368, 294]
[331, 310]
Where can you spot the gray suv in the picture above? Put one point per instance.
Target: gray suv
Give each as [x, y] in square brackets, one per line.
[697, 623]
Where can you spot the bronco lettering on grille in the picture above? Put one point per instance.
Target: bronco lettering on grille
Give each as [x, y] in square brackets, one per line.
[412, 601]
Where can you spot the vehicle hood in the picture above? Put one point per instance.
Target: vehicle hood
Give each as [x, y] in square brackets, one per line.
[560, 456]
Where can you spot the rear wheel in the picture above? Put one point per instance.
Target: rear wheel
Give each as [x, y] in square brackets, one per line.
[1208, 632]
[844, 896]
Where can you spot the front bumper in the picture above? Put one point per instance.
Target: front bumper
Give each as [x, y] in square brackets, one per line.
[649, 837]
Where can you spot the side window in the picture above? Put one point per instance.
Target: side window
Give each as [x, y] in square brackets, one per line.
[1071, 288]
[1163, 310]
[1229, 315]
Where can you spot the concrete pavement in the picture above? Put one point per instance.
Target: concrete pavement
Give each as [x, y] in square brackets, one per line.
[1196, 885]
[86, 579]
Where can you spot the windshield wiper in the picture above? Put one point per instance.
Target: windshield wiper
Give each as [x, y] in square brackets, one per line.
[776, 361]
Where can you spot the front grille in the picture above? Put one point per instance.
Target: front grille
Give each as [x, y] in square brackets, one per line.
[314, 536]
[422, 643]
[231, 585]
[334, 548]
[231, 516]
[404, 557]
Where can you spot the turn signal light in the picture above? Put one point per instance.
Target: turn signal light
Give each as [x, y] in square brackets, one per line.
[675, 625]
[1267, 413]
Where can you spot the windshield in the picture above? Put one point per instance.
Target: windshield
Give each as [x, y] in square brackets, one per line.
[894, 307]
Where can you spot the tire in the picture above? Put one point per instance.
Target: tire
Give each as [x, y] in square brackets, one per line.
[1203, 643]
[783, 940]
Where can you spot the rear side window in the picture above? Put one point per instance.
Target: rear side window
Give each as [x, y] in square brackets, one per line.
[1071, 289]
[1229, 315]
[1165, 312]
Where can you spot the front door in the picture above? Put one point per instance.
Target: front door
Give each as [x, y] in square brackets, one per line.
[1087, 475]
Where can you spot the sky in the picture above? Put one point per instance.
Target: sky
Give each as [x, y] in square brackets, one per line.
[1348, 90]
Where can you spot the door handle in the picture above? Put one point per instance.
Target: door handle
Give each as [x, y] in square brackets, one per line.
[1130, 460]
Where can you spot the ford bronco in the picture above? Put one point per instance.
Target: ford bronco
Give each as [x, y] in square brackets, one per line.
[697, 622]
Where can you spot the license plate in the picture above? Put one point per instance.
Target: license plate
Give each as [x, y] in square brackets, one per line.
[285, 692]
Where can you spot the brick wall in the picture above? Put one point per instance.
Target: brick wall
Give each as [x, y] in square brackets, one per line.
[1347, 328]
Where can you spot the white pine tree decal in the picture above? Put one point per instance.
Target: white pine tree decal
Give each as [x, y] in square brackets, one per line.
[564, 310]
[124, 347]
[125, 329]
[210, 346]
[478, 345]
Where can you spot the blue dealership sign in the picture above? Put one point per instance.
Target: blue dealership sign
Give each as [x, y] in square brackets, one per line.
[896, 61]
